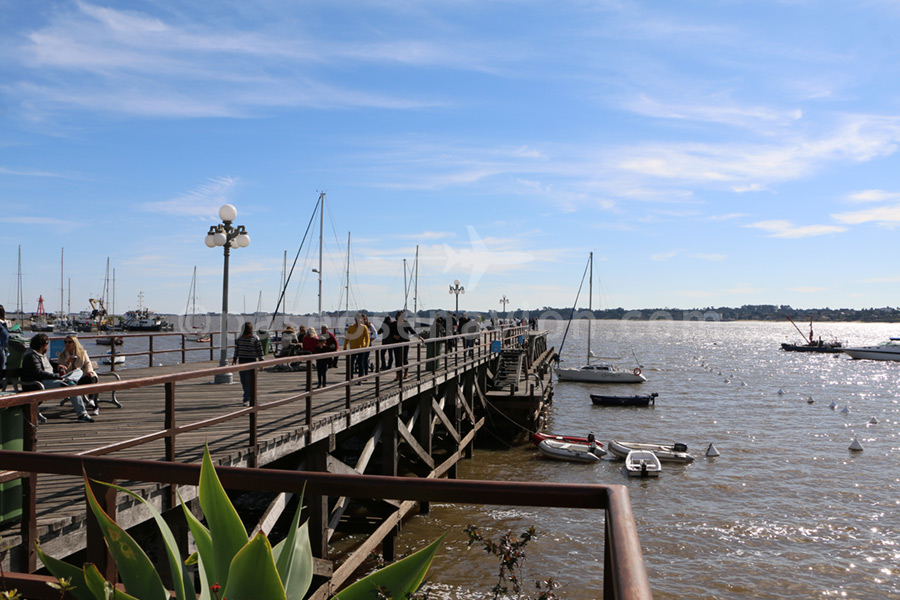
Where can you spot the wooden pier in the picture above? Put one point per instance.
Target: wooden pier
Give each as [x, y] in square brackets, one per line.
[420, 426]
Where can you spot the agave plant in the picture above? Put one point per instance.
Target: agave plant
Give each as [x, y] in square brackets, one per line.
[228, 560]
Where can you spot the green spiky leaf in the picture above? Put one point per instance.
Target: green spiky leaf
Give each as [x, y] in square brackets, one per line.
[60, 569]
[225, 525]
[252, 574]
[100, 587]
[138, 573]
[294, 559]
[400, 579]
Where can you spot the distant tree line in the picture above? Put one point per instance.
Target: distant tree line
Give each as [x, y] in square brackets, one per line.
[747, 312]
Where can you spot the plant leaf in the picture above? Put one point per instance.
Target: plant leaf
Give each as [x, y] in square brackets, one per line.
[252, 574]
[60, 569]
[401, 578]
[100, 587]
[294, 559]
[136, 570]
[175, 563]
[225, 525]
[205, 553]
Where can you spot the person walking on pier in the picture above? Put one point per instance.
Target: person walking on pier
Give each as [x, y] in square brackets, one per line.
[387, 355]
[331, 343]
[358, 337]
[402, 331]
[247, 348]
[36, 367]
[322, 364]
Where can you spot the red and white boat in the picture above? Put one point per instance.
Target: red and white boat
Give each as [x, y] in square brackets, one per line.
[540, 436]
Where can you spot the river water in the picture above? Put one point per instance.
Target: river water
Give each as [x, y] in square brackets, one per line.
[785, 511]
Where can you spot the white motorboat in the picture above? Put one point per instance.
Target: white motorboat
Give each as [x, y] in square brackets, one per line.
[598, 372]
[585, 453]
[118, 359]
[664, 452]
[887, 351]
[642, 463]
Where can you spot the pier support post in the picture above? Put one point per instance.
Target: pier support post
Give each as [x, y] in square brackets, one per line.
[318, 504]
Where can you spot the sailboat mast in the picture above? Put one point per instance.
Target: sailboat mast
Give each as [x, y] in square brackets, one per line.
[62, 292]
[416, 279]
[321, 244]
[347, 291]
[20, 302]
[590, 305]
[405, 289]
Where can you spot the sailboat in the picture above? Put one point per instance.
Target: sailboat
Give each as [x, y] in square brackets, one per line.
[196, 334]
[597, 372]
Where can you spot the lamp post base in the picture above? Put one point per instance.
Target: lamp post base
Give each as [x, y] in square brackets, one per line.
[223, 378]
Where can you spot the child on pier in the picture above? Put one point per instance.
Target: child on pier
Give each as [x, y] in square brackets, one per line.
[322, 364]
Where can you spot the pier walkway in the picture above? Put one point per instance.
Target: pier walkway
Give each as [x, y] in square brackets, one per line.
[417, 428]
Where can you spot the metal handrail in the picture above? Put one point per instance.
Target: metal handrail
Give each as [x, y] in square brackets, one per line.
[624, 578]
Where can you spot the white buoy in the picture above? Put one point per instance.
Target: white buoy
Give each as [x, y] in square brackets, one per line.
[873, 421]
[780, 392]
[743, 383]
[846, 409]
[855, 446]
[833, 405]
[711, 450]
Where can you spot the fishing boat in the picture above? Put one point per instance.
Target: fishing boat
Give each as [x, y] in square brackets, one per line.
[598, 372]
[664, 452]
[889, 350]
[603, 400]
[811, 343]
[642, 463]
[109, 341]
[584, 453]
[142, 319]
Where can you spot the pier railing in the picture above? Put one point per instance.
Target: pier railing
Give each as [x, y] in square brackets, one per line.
[624, 574]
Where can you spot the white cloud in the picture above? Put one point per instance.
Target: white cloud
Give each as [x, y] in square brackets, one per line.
[203, 201]
[883, 215]
[786, 229]
[865, 196]
[665, 255]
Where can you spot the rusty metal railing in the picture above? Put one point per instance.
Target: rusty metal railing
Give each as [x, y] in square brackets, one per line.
[624, 573]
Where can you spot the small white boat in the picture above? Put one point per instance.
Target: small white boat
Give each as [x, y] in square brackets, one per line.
[600, 373]
[586, 453]
[886, 351]
[642, 463]
[110, 360]
[664, 452]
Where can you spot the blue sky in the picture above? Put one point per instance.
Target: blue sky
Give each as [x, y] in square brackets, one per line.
[708, 153]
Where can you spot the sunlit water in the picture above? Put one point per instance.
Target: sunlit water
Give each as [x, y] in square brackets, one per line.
[786, 511]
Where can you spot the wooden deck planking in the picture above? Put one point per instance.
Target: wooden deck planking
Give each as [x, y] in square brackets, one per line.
[61, 498]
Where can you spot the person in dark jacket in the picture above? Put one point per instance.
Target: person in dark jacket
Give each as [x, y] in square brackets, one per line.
[247, 348]
[387, 355]
[36, 367]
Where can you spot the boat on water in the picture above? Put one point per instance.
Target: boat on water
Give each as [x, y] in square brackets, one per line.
[583, 453]
[889, 350]
[109, 359]
[664, 452]
[597, 372]
[142, 319]
[538, 437]
[811, 344]
[109, 341]
[644, 400]
[642, 463]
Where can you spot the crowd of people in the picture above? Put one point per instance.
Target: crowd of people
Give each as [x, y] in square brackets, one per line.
[74, 367]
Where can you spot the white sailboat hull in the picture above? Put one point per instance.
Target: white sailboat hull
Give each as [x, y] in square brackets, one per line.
[600, 373]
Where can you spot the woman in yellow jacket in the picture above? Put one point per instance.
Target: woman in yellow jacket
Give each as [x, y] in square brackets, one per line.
[358, 337]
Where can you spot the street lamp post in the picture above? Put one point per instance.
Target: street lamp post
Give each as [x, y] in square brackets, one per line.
[457, 289]
[228, 236]
[504, 301]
